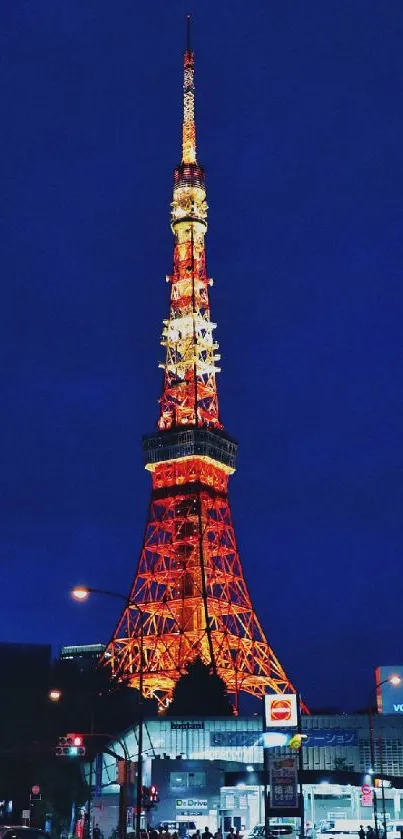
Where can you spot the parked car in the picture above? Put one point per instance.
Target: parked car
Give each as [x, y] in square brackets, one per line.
[277, 830]
[22, 832]
[182, 828]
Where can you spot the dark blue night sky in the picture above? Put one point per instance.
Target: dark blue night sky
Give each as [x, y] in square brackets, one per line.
[300, 128]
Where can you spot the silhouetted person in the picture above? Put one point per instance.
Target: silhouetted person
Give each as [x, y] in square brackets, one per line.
[361, 832]
[370, 832]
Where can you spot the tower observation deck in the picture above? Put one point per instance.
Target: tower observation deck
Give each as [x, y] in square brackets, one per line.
[189, 597]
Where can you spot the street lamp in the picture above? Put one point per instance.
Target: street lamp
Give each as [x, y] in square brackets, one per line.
[55, 695]
[82, 593]
[394, 680]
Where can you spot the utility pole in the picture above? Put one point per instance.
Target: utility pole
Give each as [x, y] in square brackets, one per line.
[300, 768]
[265, 774]
[139, 784]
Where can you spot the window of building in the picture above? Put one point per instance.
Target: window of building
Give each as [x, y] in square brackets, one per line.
[197, 779]
[181, 780]
[178, 780]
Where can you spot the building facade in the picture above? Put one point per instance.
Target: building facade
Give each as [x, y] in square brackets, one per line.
[210, 771]
[85, 656]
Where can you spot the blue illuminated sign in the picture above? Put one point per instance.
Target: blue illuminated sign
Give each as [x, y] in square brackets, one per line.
[389, 696]
[331, 737]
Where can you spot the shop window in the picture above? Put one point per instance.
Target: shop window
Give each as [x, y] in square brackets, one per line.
[178, 780]
[197, 779]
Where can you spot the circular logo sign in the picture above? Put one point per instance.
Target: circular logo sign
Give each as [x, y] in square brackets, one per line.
[35, 789]
[366, 789]
[280, 709]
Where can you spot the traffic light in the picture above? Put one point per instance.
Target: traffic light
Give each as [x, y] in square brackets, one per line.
[149, 797]
[296, 741]
[71, 745]
[154, 796]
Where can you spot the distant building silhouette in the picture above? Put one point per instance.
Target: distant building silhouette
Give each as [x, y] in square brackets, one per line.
[85, 656]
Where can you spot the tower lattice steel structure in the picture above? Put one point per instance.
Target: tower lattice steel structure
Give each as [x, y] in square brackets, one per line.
[189, 597]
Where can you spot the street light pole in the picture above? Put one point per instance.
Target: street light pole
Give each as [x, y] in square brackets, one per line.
[55, 695]
[265, 776]
[300, 768]
[82, 593]
[123, 799]
[372, 757]
[139, 785]
[393, 680]
[380, 749]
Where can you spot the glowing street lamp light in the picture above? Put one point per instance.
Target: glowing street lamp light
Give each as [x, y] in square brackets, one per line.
[80, 593]
[54, 695]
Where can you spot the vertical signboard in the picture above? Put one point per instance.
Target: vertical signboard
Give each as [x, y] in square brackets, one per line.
[283, 779]
[98, 774]
[366, 796]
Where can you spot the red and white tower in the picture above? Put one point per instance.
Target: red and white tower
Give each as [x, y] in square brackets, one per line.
[189, 596]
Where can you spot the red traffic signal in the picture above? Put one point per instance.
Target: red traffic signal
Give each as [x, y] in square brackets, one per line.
[71, 745]
[149, 797]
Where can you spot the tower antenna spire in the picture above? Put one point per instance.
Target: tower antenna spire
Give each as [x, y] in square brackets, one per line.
[188, 21]
[189, 125]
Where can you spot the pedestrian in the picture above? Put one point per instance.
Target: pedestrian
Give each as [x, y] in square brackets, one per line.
[96, 832]
[370, 832]
[231, 834]
[207, 834]
[361, 832]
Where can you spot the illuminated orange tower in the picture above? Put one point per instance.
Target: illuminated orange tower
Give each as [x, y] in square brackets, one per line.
[189, 597]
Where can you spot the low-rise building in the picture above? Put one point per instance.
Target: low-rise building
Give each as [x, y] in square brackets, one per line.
[210, 771]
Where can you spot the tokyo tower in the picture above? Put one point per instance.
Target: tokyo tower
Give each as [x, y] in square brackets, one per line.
[189, 596]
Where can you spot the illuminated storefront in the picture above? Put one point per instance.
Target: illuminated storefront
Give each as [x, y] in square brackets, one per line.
[209, 771]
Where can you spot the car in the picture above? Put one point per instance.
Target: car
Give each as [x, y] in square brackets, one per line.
[276, 831]
[23, 832]
[183, 828]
